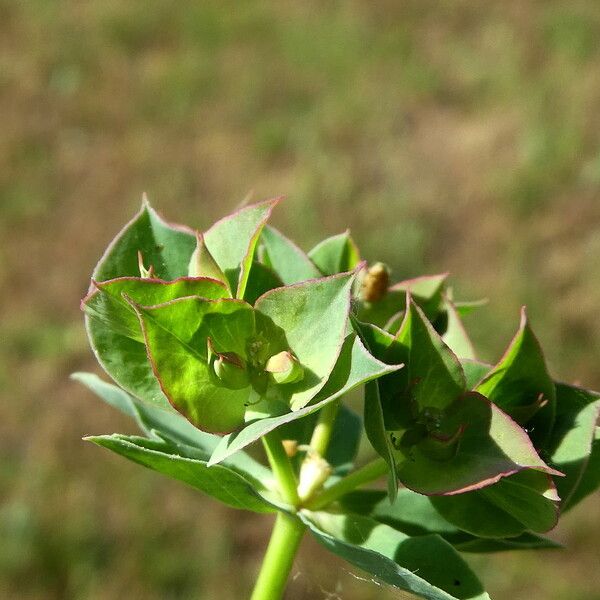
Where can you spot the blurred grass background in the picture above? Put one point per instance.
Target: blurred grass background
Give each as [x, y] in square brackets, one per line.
[449, 135]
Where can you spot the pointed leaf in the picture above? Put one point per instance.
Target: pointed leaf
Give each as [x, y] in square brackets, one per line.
[414, 515]
[261, 280]
[165, 247]
[335, 254]
[426, 566]
[107, 302]
[354, 367]
[202, 263]
[287, 260]
[524, 501]
[435, 374]
[426, 291]
[232, 241]
[176, 335]
[474, 371]
[520, 382]
[455, 336]
[219, 482]
[170, 426]
[590, 479]
[572, 439]
[314, 316]
[490, 446]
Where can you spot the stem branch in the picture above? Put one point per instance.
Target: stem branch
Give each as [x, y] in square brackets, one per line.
[324, 428]
[366, 474]
[282, 467]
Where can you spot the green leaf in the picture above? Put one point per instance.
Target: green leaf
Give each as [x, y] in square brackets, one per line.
[590, 479]
[355, 366]
[166, 247]
[435, 373]
[524, 501]
[521, 386]
[219, 481]
[261, 280]
[455, 336]
[314, 315]
[202, 263]
[572, 439]
[474, 371]
[426, 566]
[426, 291]
[489, 446]
[335, 254]
[107, 301]
[176, 335]
[172, 427]
[287, 260]
[414, 515]
[232, 241]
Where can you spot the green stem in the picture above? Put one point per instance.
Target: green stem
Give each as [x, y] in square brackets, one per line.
[366, 474]
[324, 428]
[278, 561]
[282, 467]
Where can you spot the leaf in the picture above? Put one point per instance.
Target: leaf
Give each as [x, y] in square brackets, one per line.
[455, 336]
[107, 303]
[426, 291]
[355, 366]
[287, 260]
[219, 481]
[232, 241]
[572, 439]
[521, 386]
[490, 446]
[414, 515]
[590, 479]
[202, 263]
[434, 372]
[426, 566]
[474, 371]
[335, 254]
[165, 246]
[261, 280]
[176, 335]
[524, 501]
[172, 427]
[313, 315]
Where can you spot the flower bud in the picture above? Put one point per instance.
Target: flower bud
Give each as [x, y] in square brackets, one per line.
[314, 472]
[284, 368]
[375, 283]
[231, 371]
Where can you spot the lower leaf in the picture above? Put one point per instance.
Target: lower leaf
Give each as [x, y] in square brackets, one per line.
[426, 566]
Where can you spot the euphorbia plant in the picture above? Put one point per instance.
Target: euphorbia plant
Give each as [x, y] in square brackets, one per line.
[222, 339]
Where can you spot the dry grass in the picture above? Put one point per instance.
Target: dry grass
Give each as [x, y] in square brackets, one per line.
[449, 135]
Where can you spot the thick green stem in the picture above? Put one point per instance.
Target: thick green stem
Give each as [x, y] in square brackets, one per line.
[370, 472]
[278, 561]
[282, 467]
[324, 428]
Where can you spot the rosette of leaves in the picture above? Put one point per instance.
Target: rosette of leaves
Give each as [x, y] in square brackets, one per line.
[219, 339]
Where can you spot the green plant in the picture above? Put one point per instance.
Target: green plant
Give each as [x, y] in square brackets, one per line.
[222, 339]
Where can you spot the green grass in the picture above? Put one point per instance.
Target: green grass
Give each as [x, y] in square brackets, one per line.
[449, 135]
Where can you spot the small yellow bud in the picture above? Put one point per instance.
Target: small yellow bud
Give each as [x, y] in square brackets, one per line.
[290, 447]
[375, 283]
